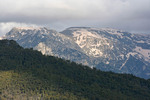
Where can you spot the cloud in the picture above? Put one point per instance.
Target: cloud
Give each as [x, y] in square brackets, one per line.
[39, 11]
[130, 15]
[6, 27]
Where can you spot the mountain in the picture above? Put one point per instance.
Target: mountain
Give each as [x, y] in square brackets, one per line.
[26, 74]
[104, 48]
[49, 42]
[121, 51]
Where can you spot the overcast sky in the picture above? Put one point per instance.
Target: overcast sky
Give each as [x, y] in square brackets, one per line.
[128, 15]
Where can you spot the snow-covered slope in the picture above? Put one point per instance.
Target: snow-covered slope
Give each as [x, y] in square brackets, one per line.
[119, 51]
[104, 48]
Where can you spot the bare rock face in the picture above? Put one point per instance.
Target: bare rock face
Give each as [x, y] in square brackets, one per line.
[106, 49]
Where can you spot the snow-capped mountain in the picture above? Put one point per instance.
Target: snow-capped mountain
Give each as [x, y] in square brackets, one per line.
[49, 42]
[105, 48]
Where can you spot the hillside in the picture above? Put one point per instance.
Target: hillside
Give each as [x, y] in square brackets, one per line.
[117, 50]
[26, 74]
[103, 48]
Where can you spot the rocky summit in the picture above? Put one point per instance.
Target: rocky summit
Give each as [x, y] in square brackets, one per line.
[104, 48]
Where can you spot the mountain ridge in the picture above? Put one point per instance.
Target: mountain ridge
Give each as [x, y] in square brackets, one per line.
[92, 46]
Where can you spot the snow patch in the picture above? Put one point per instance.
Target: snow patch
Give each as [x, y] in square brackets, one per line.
[144, 52]
[124, 63]
[131, 53]
[27, 28]
[44, 49]
[23, 33]
[107, 62]
[140, 41]
[81, 37]
[95, 52]
[92, 41]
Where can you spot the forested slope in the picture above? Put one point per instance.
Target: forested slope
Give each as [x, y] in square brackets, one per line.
[27, 74]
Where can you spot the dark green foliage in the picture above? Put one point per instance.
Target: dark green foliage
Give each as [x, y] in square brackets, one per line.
[46, 74]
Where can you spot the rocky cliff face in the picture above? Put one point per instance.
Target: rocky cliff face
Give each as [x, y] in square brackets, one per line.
[106, 49]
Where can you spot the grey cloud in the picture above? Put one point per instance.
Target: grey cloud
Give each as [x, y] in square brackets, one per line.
[130, 15]
[7, 26]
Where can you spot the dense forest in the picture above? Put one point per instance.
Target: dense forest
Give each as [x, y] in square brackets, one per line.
[26, 74]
